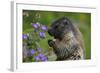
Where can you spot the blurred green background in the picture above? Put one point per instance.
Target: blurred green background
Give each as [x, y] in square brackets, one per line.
[82, 20]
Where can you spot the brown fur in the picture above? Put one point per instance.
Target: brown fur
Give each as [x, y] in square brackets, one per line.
[69, 46]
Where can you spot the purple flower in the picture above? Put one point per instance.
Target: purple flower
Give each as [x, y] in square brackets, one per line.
[24, 36]
[41, 55]
[42, 34]
[44, 58]
[32, 51]
[37, 58]
[44, 27]
[35, 25]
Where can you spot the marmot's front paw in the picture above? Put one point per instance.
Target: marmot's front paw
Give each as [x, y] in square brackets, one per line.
[51, 43]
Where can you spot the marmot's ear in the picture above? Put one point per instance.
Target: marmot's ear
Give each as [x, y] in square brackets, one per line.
[66, 21]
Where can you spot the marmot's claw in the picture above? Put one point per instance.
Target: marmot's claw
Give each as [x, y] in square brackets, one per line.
[51, 43]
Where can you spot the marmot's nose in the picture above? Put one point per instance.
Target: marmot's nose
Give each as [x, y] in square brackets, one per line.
[50, 31]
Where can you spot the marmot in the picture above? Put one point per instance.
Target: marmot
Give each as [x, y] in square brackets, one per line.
[68, 42]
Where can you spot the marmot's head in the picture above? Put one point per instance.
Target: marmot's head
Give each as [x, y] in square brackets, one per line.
[60, 28]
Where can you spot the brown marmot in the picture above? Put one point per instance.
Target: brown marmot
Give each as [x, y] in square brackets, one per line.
[68, 42]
